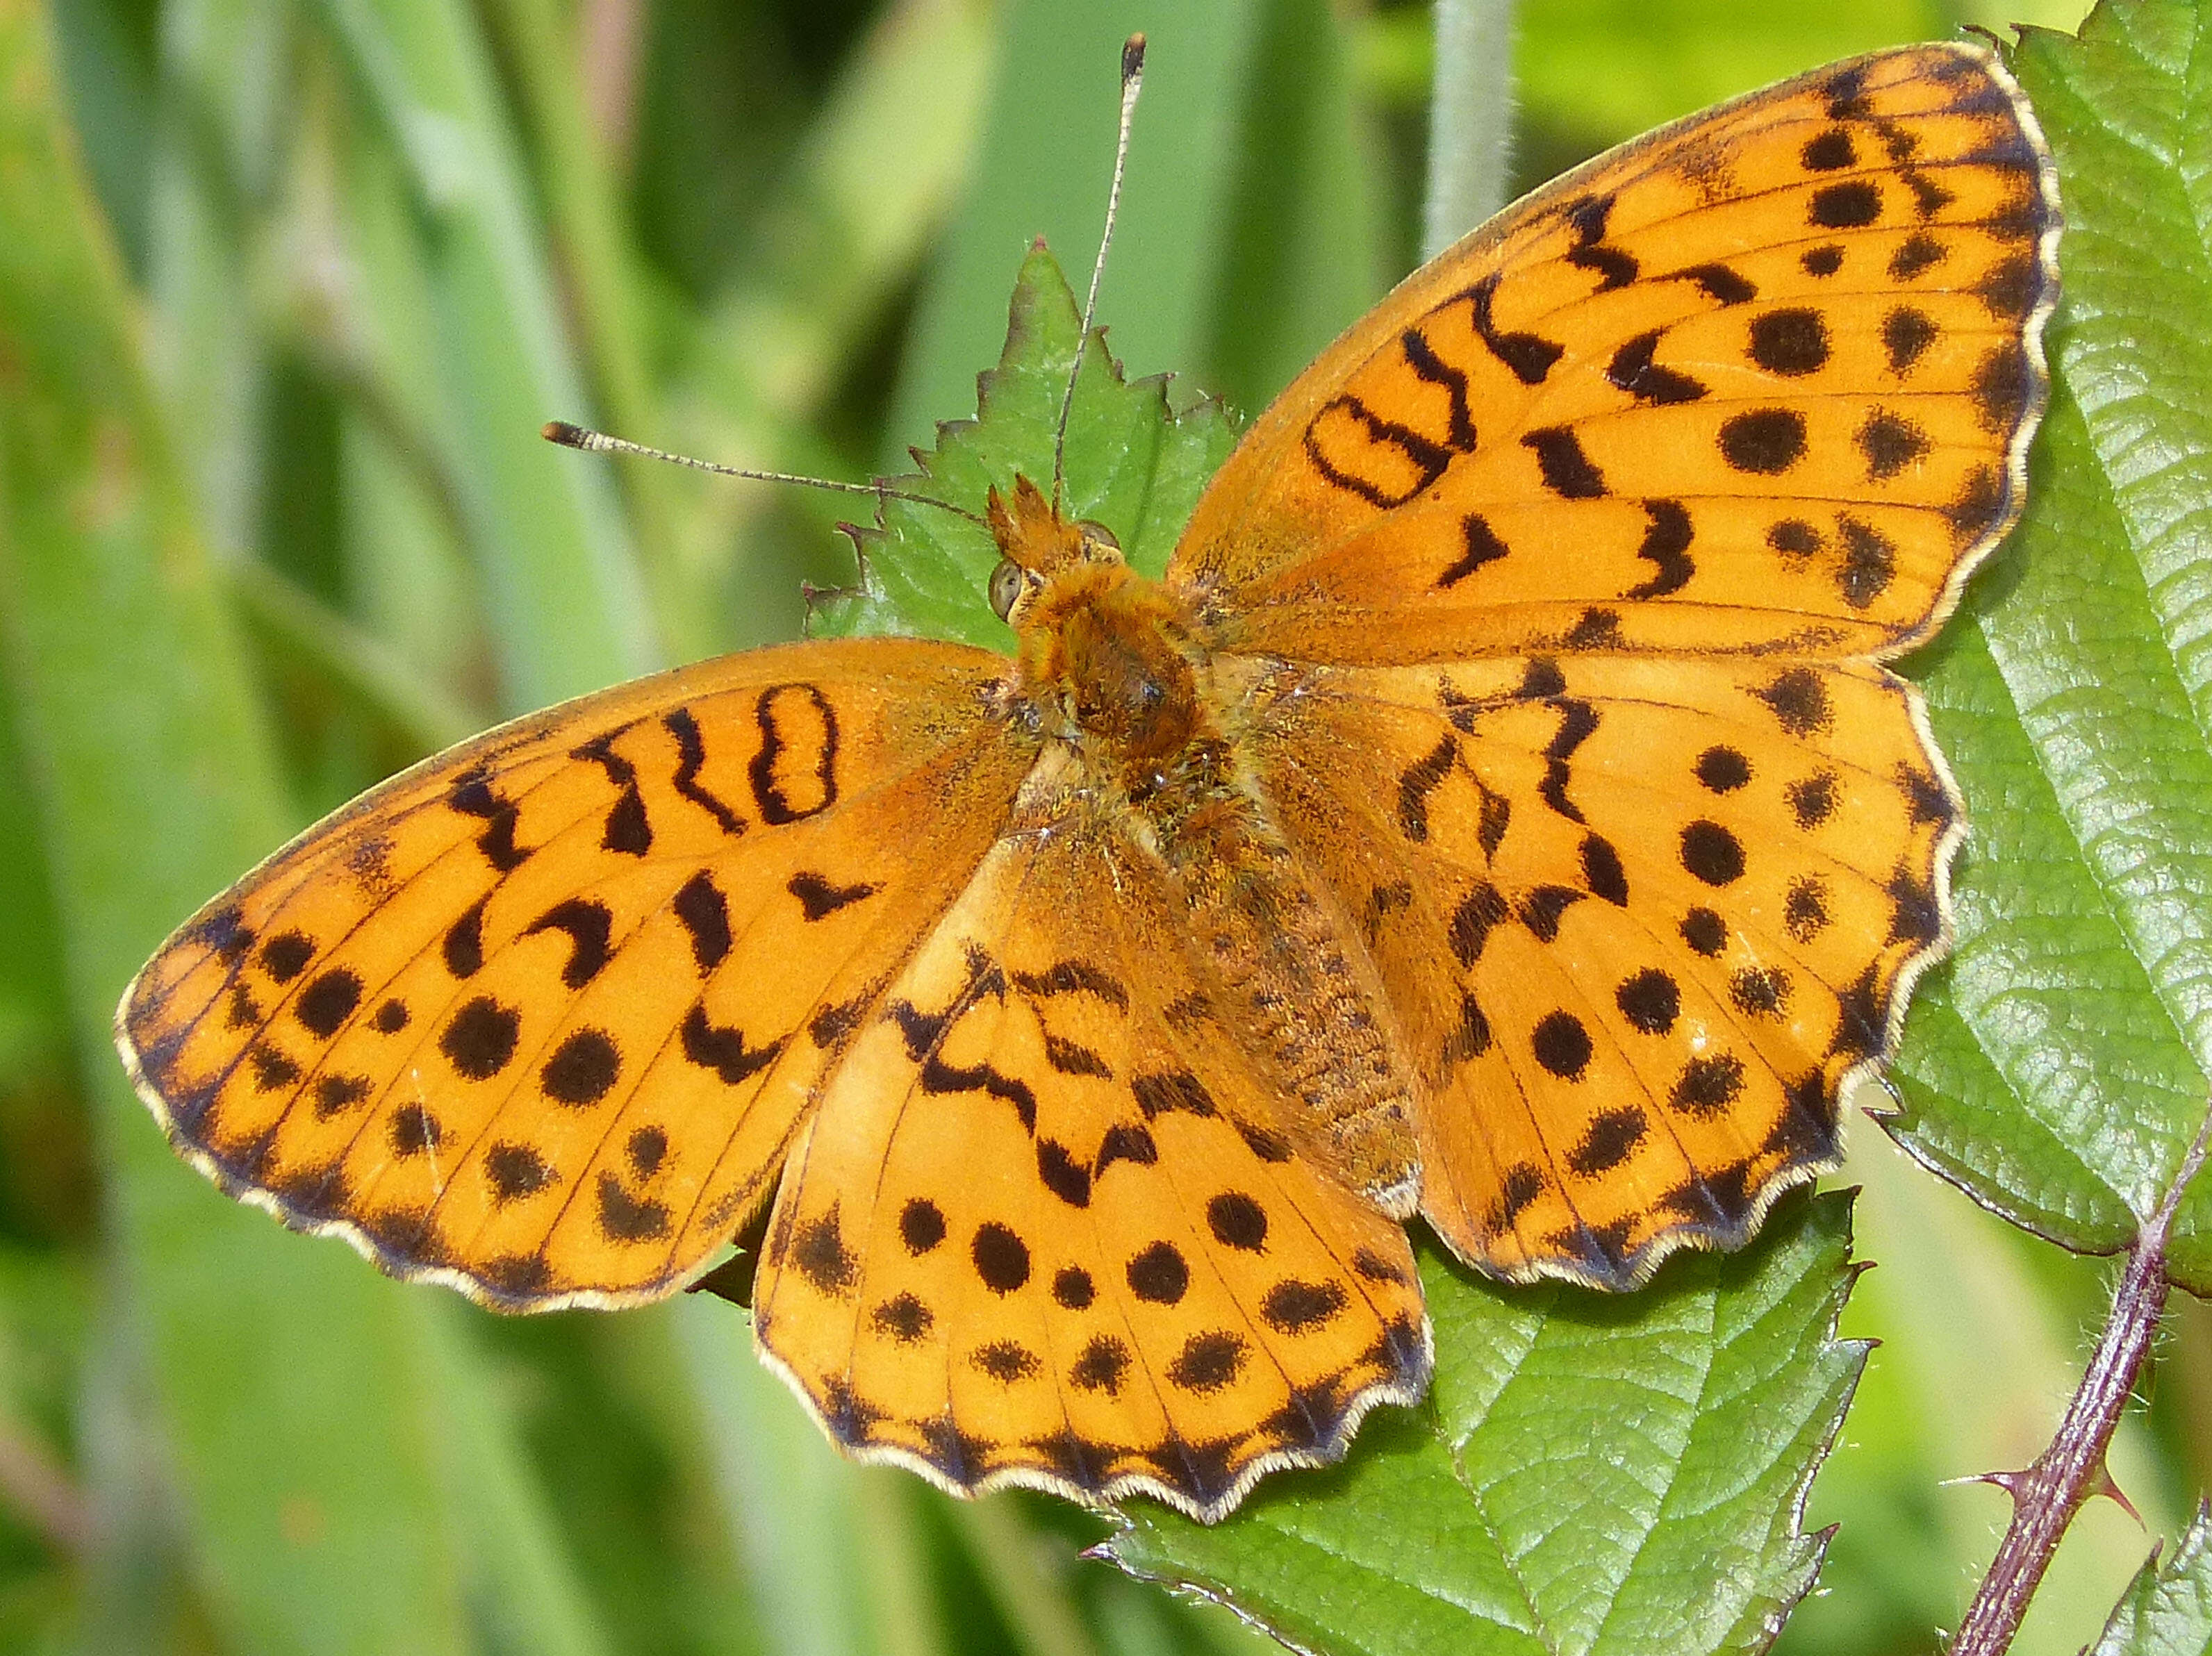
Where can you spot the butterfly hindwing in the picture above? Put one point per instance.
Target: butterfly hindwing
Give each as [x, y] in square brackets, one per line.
[1640, 921]
[1043, 1228]
[540, 1015]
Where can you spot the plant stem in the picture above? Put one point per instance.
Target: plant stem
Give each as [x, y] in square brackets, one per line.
[2047, 1494]
[1470, 119]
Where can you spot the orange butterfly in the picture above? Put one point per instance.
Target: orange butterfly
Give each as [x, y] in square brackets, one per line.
[1497, 812]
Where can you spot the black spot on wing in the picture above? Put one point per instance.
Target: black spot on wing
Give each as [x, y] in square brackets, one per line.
[1667, 546]
[463, 946]
[1720, 283]
[1001, 1258]
[1711, 853]
[691, 757]
[1480, 910]
[515, 1171]
[1603, 871]
[480, 1038]
[1763, 442]
[1611, 1139]
[1567, 471]
[705, 915]
[286, 956]
[1907, 334]
[1480, 545]
[820, 897]
[472, 795]
[326, 1004]
[1541, 910]
[1916, 254]
[582, 1069]
[1650, 1001]
[1869, 563]
[1799, 701]
[1889, 442]
[1063, 1176]
[723, 1050]
[816, 1250]
[1849, 206]
[1831, 151]
[1157, 1274]
[1791, 343]
[1419, 780]
[1562, 1045]
[1633, 371]
[587, 925]
[1527, 356]
[1124, 1141]
[1708, 1084]
[627, 1218]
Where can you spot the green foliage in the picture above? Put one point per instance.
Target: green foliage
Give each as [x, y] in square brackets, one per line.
[2167, 1609]
[1591, 1473]
[1133, 464]
[2061, 1069]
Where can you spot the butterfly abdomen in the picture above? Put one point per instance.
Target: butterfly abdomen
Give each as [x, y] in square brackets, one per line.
[1302, 999]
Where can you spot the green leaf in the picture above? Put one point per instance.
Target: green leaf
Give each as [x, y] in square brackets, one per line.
[1133, 465]
[1591, 1473]
[2058, 1071]
[2167, 1609]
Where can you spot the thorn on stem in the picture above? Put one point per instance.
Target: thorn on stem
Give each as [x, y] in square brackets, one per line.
[2101, 1483]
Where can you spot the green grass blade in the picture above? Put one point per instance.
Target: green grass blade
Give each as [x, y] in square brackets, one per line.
[1052, 121]
[567, 606]
[132, 702]
[1299, 255]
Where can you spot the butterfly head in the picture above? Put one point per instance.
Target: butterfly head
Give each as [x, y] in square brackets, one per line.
[1106, 655]
[1037, 544]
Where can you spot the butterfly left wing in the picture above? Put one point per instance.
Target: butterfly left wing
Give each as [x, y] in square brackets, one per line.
[1761, 380]
[538, 1017]
[1044, 1228]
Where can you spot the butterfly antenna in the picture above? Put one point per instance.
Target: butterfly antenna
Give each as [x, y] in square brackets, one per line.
[598, 442]
[1133, 80]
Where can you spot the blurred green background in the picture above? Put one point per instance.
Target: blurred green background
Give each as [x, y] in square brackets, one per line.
[288, 287]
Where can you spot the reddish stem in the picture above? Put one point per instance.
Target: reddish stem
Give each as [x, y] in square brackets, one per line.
[2047, 1494]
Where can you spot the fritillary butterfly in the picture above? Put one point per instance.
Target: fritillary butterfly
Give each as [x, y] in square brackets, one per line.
[1498, 813]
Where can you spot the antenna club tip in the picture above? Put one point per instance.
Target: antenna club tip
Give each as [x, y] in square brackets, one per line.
[1132, 57]
[561, 431]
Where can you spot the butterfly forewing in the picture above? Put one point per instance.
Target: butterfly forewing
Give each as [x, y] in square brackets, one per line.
[541, 1015]
[1757, 381]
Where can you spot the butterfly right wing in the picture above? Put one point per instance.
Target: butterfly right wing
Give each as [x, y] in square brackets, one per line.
[538, 1017]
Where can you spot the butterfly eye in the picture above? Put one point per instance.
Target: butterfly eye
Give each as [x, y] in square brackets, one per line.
[1006, 583]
